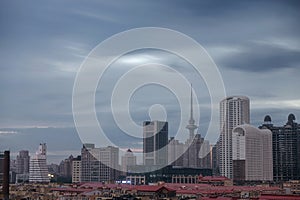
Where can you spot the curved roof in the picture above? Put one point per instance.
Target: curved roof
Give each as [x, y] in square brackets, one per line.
[267, 118]
[249, 129]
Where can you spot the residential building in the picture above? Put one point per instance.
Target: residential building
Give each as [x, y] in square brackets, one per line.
[65, 167]
[234, 111]
[155, 142]
[252, 154]
[76, 170]
[286, 148]
[38, 171]
[99, 164]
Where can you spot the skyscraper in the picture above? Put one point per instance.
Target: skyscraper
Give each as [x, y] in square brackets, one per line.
[38, 171]
[99, 164]
[155, 142]
[252, 154]
[286, 148]
[4, 175]
[129, 159]
[175, 152]
[234, 111]
[23, 162]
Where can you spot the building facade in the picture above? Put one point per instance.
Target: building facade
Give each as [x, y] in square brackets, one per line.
[4, 174]
[252, 154]
[234, 111]
[155, 141]
[23, 162]
[286, 149]
[76, 170]
[38, 170]
[129, 159]
[99, 164]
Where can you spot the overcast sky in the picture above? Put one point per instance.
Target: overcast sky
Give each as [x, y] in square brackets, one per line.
[255, 44]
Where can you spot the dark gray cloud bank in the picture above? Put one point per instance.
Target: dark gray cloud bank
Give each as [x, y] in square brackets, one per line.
[255, 44]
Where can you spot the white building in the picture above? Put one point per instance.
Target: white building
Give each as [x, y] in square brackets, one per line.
[76, 171]
[175, 152]
[252, 153]
[234, 111]
[129, 159]
[38, 171]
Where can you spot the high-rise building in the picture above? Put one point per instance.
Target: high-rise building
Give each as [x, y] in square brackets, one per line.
[214, 154]
[155, 143]
[38, 171]
[99, 164]
[234, 111]
[76, 170]
[4, 174]
[129, 159]
[175, 152]
[65, 167]
[23, 162]
[286, 148]
[252, 154]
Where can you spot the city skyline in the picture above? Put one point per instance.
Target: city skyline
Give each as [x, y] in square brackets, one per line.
[257, 51]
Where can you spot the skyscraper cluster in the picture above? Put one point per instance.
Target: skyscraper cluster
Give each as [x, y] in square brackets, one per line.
[247, 153]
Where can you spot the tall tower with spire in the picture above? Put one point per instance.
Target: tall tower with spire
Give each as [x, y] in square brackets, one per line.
[191, 126]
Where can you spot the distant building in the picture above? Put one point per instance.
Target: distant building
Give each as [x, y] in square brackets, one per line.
[65, 167]
[215, 159]
[23, 162]
[175, 152]
[167, 174]
[76, 170]
[99, 164]
[38, 171]
[155, 142]
[4, 174]
[252, 154]
[129, 159]
[195, 152]
[286, 149]
[234, 111]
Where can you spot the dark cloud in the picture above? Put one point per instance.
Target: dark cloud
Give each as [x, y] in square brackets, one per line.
[42, 44]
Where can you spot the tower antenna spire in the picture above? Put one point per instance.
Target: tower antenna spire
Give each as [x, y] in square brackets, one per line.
[191, 126]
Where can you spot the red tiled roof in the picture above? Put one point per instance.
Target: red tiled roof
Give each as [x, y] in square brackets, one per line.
[152, 188]
[281, 197]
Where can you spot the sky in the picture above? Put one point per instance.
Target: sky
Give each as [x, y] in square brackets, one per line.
[255, 45]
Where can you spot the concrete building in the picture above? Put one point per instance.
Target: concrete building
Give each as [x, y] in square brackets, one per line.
[175, 152]
[129, 159]
[99, 164]
[234, 111]
[252, 154]
[155, 142]
[286, 149]
[4, 175]
[38, 171]
[76, 170]
[65, 167]
[23, 162]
